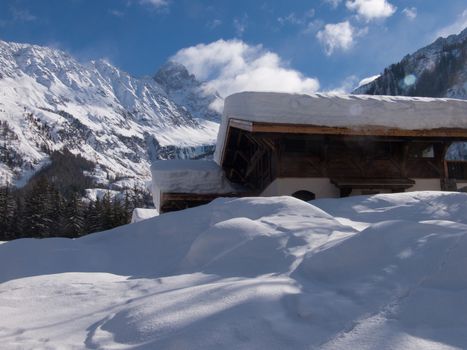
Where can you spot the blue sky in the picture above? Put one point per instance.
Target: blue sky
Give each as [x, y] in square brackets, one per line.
[305, 45]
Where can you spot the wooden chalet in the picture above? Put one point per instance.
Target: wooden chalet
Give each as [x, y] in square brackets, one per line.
[330, 146]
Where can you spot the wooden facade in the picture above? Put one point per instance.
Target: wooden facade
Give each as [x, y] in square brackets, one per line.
[179, 201]
[372, 159]
[334, 161]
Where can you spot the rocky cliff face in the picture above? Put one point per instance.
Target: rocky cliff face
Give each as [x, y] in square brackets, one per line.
[50, 101]
[185, 90]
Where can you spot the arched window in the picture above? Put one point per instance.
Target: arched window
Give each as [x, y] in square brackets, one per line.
[304, 195]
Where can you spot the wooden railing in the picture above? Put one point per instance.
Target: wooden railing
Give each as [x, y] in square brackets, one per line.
[457, 169]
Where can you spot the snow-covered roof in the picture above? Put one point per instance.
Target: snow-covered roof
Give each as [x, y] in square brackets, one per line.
[190, 176]
[349, 111]
[140, 214]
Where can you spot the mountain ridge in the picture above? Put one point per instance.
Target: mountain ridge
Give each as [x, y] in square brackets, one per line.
[50, 101]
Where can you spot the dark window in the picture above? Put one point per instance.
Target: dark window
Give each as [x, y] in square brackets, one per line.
[422, 151]
[304, 195]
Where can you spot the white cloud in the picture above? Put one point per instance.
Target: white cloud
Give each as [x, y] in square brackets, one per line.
[459, 25]
[22, 15]
[240, 24]
[294, 19]
[290, 18]
[156, 3]
[214, 23]
[371, 9]
[310, 13]
[312, 27]
[116, 13]
[18, 15]
[339, 36]
[410, 12]
[232, 66]
[333, 3]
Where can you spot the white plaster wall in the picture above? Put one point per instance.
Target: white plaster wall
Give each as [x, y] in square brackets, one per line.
[321, 187]
[426, 185]
[461, 184]
[359, 192]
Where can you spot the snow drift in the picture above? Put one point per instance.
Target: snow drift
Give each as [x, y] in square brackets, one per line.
[384, 271]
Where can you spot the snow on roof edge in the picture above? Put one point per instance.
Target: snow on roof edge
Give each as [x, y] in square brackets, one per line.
[191, 176]
[340, 110]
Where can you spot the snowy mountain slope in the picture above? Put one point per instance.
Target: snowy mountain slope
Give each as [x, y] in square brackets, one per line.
[368, 272]
[50, 101]
[437, 70]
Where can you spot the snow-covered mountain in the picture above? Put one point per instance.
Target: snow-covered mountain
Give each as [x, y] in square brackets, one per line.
[437, 70]
[50, 101]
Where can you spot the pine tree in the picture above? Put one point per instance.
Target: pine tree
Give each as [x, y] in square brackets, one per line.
[127, 208]
[37, 210]
[107, 212]
[3, 214]
[137, 197]
[7, 212]
[119, 213]
[56, 201]
[73, 217]
[17, 223]
[93, 222]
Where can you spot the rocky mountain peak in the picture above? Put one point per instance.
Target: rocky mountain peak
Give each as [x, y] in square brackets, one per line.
[183, 88]
[175, 76]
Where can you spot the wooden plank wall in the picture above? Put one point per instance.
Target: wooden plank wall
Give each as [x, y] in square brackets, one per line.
[256, 159]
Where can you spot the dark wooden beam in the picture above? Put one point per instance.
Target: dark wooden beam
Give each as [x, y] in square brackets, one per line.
[365, 183]
[239, 153]
[363, 130]
[196, 196]
[269, 143]
[254, 161]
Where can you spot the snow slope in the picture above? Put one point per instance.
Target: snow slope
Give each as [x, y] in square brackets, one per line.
[370, 272]
[51, 101]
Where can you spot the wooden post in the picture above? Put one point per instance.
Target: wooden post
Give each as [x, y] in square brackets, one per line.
[325, 157]
[405, 156]
[447, 184]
